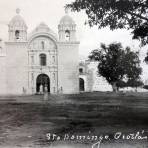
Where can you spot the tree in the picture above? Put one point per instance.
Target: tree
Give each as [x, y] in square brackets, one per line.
[129, 14]
[120, 67]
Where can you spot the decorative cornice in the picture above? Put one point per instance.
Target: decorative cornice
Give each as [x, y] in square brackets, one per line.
[12, 42]
[2, 55]
[43, 67]
[68, 43]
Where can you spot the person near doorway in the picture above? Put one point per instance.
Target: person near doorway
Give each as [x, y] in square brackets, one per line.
[45, 93]
[41, 89]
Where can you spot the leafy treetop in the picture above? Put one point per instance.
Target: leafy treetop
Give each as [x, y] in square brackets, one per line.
[120, 67]
[117, 14]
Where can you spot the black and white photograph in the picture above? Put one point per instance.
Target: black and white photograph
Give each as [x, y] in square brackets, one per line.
[73, 73]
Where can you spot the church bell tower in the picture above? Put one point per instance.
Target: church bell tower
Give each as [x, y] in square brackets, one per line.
[67, 29]
[17, 28]
[17, 56]
[68, 56]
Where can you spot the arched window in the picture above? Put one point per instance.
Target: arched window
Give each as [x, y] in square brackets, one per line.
[81, 84]
[43, 45]
[80, 70]
[17, 34]
[42, 59]
[67, 35]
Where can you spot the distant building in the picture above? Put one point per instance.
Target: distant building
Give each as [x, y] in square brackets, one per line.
[88, 75]
[89, 79]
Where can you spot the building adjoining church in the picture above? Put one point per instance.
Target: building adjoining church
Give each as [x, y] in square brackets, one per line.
[28, 63]
[89, 79]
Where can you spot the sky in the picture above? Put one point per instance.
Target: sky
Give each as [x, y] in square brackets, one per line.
[51, 11]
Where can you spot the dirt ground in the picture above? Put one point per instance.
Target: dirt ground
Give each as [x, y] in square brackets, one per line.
[60, 122]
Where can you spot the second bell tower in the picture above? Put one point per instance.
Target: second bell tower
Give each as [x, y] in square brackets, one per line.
[67, 29]
[68, 56]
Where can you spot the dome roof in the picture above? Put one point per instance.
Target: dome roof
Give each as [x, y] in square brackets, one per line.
[43, 28]
[67, 20]
[17, 20]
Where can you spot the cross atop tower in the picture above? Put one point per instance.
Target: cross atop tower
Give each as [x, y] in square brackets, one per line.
[18, 11]
[66, 10]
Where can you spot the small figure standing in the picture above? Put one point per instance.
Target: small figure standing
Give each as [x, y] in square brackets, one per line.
[41, 89]
[61, 90]
[24, 91]
[45, 93]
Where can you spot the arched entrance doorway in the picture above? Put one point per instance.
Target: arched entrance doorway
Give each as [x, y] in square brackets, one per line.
[81, 84]
[42, 80]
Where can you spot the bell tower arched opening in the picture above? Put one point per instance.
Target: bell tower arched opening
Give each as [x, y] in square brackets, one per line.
[17, 28]
[17, 34]
[67, 35]
[67, 29]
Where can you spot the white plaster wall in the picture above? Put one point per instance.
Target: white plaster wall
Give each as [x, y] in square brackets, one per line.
[144, 65]
[68, 64]
[99, 83]
[2, 74]
[16, 67]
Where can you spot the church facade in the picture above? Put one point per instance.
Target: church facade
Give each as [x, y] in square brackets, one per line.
[29, 63]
